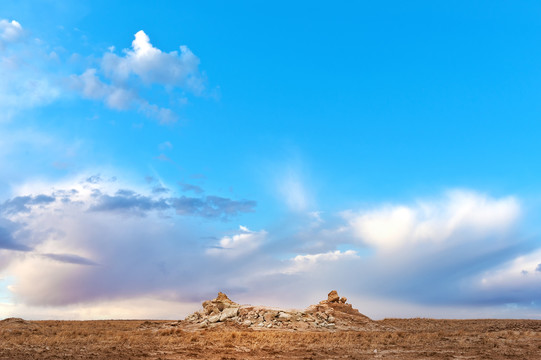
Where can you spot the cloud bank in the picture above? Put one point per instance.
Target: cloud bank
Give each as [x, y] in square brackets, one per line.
[97, 241]
[90, 240]
[459, 214]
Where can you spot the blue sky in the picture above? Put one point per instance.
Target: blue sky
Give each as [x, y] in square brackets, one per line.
[154, 154]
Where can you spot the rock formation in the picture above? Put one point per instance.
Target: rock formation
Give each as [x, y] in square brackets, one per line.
[333, 313]
[12, 324]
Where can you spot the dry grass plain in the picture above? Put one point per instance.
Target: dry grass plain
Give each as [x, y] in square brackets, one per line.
[405, 339]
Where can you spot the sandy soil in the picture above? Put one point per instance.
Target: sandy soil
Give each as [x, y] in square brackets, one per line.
[401, 339]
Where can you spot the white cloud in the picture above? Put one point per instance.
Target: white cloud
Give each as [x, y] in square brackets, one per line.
[118, 97]
[117, 81]
[395, 226]
[93, 88]
[428, 252]
[34, 76]
[302, 263]
[239, 244]
[154, 66]
[10, 31]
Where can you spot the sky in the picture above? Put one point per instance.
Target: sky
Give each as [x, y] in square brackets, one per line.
[153, 154]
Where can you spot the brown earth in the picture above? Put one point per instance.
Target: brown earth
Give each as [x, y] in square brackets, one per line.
[233, 339]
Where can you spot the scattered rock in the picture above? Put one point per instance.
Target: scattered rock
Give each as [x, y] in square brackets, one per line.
[229, 313]
[283, 316]
[269, 316]
[330, 314]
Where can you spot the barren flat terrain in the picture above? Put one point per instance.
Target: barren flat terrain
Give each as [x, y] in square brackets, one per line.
[403, 339]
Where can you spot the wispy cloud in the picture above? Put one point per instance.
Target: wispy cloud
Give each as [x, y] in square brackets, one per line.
[240, 244]
[185, 187]
[292, 188]
[26, 80]
[209, 206]
[309, 262]
[70, 259]
[10, 31]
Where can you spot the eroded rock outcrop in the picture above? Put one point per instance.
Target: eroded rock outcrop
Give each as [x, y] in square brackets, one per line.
[333, 313]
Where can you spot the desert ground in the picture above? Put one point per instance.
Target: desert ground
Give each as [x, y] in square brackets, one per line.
[412, 339]
[224, 330]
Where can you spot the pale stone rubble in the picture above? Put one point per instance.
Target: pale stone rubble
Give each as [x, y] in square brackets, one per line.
[333, 313]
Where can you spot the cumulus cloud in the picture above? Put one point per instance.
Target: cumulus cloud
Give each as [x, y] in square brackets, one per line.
[432, 251]
[429, 251]
[118, 78]
[460, 212]
[154, 66]
[33, 76]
